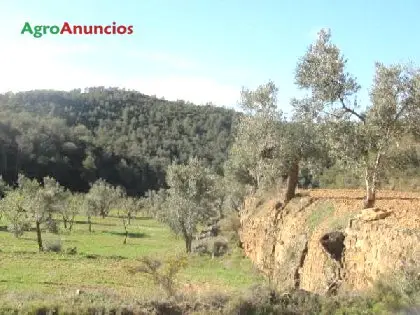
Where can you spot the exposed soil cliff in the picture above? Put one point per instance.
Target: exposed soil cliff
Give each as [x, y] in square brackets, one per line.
[324, 241]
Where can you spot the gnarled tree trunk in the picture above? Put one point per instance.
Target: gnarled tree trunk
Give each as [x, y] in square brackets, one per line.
[292, 181]
[187, 237]
[188, 243]
[370, 196]
[371, 179]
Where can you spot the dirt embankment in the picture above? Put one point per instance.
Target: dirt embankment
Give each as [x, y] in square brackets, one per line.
[323, 240]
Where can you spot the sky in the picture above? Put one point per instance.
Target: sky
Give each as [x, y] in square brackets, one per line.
[199, 50]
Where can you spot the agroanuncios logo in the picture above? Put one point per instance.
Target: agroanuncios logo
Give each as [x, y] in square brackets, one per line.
[38, 31]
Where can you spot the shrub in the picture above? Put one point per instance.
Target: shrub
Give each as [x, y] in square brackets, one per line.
[402, 289]
[214, 300]
[163, 274]
[53, 246]
[231, 223]
[216, 246]
[201, 247]
[230, 227]
[71, 251]
[334, 177]
[220, 247]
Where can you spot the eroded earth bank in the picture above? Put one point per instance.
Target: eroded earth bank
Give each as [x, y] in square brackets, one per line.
[323, 242]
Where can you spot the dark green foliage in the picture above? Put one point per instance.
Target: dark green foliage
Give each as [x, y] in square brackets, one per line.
[124, 137]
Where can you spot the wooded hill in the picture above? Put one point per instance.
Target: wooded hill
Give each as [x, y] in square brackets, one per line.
[124, 137]
[129, 139]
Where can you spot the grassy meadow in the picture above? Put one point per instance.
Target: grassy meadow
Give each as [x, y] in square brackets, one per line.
[100, 268]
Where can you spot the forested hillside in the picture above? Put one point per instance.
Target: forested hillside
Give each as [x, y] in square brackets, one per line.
[125, 137]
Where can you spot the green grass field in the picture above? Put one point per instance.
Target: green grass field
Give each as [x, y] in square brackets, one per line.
[100, 267]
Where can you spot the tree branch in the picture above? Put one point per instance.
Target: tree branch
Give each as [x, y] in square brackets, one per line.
[406, 104]
[331, 114]
[349, 110]
[401, 110]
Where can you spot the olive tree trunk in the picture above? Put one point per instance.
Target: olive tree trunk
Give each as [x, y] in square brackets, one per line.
[188, 243]
[90, 224]
[38, 236]
[126, 231]
[371, 179]
[292, 181]
[65, 223]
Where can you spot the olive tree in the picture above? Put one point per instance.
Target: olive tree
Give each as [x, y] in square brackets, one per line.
[252, 155]
[300, 144]
[359, 139]
[55, 199]
[129, 206]
[267, 147]
[12, 206]
[189, 201]
[154, 201]
[235, 190]
[23, 205]
[32, 202]
[100, 199]
[75, 204]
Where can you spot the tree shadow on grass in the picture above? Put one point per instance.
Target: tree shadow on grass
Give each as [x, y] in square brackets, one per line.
[27, 238]
[3, 228]
[95, 223]
[143, 218]
[26, 254]
[130, 234]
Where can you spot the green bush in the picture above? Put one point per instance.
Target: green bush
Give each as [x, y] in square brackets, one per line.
[337, 178]
[215, 246]
[52, 246]
[162, 273]
[230, 226]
